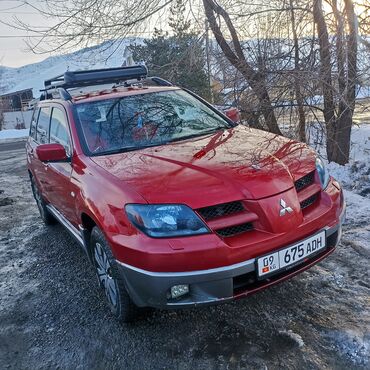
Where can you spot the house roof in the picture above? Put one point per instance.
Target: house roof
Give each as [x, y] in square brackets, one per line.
[15, 92]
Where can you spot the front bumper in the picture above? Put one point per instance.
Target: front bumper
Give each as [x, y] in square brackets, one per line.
[151, 289]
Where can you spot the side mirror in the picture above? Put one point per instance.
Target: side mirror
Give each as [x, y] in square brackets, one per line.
[51, 153]
[233, 114]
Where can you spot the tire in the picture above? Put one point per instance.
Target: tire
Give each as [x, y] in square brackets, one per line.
[119, 301]
[45, 215]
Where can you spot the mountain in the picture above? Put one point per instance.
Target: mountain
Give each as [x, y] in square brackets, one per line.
[106, 55]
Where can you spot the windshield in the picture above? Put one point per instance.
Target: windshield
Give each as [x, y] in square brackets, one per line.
[139, 121]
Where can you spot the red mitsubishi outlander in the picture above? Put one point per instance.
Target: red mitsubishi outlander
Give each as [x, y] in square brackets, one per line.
[175, 204]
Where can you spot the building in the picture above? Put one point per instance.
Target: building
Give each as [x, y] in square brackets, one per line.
[15, 110]
[16, 101]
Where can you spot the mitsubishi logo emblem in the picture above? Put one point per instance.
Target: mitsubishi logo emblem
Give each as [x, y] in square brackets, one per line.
[284, 208]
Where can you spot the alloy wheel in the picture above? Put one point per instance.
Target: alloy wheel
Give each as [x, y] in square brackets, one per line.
[104, 271]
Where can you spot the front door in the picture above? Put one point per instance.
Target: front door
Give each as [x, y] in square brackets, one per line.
[63, 191]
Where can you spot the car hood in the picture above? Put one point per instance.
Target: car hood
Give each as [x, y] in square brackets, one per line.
[238, 163]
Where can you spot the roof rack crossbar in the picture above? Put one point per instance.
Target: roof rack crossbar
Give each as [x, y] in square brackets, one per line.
[96, 77]
[48, 93]
[65, 95]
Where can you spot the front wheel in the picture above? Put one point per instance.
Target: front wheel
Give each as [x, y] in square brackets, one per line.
[119, 301]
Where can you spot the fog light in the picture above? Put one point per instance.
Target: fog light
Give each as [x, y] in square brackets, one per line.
[179, 290]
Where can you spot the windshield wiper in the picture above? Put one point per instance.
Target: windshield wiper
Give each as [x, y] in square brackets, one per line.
[125, 149]
[199, 134]
[132, 148]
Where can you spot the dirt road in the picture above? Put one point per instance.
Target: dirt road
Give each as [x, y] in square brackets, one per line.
[52, 315]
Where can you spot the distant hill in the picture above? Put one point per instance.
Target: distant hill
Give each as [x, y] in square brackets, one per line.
[105, 55]
[115, 54]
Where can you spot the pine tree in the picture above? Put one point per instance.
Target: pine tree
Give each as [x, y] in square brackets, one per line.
[179, 57]
[179, 25]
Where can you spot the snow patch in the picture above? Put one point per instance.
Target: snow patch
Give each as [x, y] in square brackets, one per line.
[11, 135]
[296, 338]
[352, 345]
[355, 175]
[355, 180]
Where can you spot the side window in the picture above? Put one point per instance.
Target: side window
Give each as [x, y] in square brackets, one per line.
[43, 126]
[34, 122]
[59, 132]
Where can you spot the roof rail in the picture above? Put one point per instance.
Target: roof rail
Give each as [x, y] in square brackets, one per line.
[96, 77]
[160, 81]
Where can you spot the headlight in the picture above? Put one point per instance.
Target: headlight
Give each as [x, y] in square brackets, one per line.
[323, 173]
[164, 220]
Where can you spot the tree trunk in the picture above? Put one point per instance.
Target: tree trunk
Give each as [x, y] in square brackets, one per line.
[345, 115]
[237, 59]
[326, 80]
[344, 111]
[297, 88]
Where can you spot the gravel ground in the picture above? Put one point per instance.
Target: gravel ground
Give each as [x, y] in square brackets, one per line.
[52, 314]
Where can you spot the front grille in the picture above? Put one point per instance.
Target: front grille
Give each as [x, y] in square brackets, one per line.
[307, 202]
[235, 230]
[209, 213]
[305, 181]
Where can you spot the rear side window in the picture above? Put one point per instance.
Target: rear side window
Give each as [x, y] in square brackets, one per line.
[43, 126]
[59, 132]
[34, 122]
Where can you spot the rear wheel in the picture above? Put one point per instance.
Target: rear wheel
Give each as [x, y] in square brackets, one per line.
[119, 301]
[46, 216]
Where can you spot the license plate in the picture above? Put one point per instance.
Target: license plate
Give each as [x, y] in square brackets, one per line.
[292, 255]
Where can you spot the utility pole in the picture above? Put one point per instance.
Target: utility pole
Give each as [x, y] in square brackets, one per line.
[208, 59]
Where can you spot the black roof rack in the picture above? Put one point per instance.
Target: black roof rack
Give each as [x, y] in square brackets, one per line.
[96, 77]
[73, 79]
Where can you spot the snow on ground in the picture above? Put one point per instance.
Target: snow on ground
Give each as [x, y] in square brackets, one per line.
[13, 135]
[355, 179]
[355, 174]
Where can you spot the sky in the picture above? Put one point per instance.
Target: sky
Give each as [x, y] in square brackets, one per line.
[13, 49]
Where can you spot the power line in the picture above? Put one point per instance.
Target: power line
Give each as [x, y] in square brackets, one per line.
[136, 34]
[16, 36]
[15, 12]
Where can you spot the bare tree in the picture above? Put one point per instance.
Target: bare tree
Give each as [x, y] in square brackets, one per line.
[285, 51]
[237, 58]
[338, 125]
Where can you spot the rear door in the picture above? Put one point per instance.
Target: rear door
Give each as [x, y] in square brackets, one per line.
[39, 134]
[31, 142]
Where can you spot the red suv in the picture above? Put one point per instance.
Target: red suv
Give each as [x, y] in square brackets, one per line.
[175, 204]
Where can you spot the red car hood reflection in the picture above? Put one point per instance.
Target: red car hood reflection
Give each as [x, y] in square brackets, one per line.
[239, 163]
